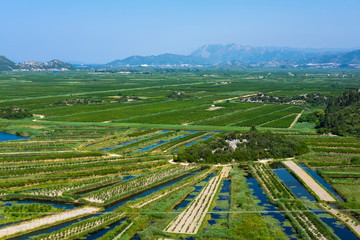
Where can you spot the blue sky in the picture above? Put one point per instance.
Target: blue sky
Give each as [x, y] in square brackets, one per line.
[99, 31]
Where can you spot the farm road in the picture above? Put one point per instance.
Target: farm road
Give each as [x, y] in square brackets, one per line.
[39, 223]
[310, 182]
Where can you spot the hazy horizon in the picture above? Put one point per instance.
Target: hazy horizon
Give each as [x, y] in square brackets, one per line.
[99, 32]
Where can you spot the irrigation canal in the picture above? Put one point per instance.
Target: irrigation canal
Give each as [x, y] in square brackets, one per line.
[107, 209]
[11, 137]
[263, 202]
[341, 230]
[316, 176]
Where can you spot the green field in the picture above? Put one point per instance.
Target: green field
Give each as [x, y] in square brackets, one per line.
[109, 140]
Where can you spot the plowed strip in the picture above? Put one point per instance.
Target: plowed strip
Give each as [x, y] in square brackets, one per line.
[310, 182]
[42, 222]
[189, 220]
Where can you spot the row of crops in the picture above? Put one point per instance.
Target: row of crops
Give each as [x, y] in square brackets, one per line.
[53, 171]
[337, 160]
[200, 112]
[123, 221]
[79, 141]
[263, 115]
[274, 115]
[121, 190]
[107, 179]
[127, 112]
[305, 222]
[186, 116]
[104, 181]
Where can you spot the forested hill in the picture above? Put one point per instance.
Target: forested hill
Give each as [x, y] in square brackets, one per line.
[342, 115]
[6, 64]
[241, 147]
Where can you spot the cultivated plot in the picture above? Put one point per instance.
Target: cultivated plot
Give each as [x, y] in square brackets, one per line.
[189, 221]
[310, 182]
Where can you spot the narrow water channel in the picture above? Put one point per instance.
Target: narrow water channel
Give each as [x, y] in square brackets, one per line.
[159, 143]
[273, 211]
[10, 137]
[107, 209]
[103, 231]
[195, 142]
[222, 204]
[145, 193]
[341, 230]
[182, 205]
[291, 182]
[133, 141]
[316, 176]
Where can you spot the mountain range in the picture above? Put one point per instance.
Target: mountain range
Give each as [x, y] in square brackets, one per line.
[236, 55]
[229, 55]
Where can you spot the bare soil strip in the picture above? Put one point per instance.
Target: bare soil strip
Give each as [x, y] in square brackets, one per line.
[310, 182]
[353, 225]
[158, 197]
[233, 98]
[123, 231]
[296, 119]
[189, 220]
[42, 222]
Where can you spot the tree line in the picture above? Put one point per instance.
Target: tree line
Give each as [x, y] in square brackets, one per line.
[341, 115]
[14, 113]
[250, 146]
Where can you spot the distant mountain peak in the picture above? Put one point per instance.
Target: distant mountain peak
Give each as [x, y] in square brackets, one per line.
[239, 55]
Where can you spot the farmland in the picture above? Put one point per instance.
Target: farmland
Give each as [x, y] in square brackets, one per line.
[114, 144]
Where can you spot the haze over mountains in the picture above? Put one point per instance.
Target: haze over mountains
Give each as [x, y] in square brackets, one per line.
[229, 55]
[234, 54]
[53, 65]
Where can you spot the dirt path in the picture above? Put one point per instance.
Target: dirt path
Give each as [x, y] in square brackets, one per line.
[310, 182]
[353, 225]
[123, 231]
[49, 220]
[158, 197]
[189, 220]
[222, 100]
[296, 119]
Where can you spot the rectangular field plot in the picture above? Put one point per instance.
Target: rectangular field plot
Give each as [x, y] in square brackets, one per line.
[333, 142]
[310, 182]
[283, 122]
[274, 116]
[346, 182]
[123, 189]
[229, 119]
[253, 116]
[127, 112]
[341, 173]
[336, 150]
[190, 220]
[43, 222]
[62, 110]
[187, 116]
